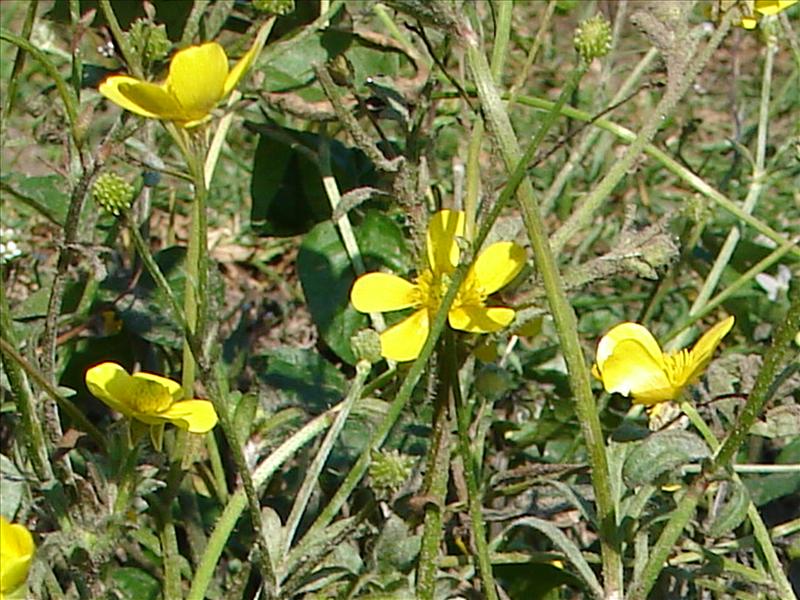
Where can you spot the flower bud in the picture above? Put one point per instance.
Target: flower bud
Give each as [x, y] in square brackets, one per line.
[593, 38]
[366, 345]
[112, 193]
[149, 41]
[388, 471]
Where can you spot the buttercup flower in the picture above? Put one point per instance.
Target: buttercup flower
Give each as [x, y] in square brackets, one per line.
[16, 552]
[764, 7]
[198, 80]
[149, 398]
[495, 267]
[630, 362]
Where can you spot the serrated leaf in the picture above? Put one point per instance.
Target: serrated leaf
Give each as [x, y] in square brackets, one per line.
[733, 511]
[662, 452]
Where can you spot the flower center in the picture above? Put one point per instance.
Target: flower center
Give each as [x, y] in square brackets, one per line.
[678, 366]
[148, 397]
[433, 287]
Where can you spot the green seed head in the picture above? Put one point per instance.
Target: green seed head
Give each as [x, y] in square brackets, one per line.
[388, 471]
[112, 193]
[366, 345]
[593, 38]
[274, 7]
[149, 41]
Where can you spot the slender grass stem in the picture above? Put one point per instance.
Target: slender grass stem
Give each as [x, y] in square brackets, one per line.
[753, 194]
[563, 315]
[471, 470]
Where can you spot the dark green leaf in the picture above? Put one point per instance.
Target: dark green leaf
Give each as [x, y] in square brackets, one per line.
[733, 510]
[661, 452]
[134, 584]
[303, 375]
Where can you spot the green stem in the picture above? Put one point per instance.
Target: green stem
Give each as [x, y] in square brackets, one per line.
[171, 560]
[563, 316]
[753, 194]
[312, 474]
[126, 482]
[471, 470]
[132, 60]
[233, 510]
[437, 473]
[19, 63]
[33, 437]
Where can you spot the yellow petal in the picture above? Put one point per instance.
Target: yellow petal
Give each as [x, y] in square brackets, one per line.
[749, 22]
[173, 387]
[244, 63]
[773, 7]
[443, 229]
[480, 319]
[16, 552]
[404, 340]
[196, 416]
[700, 355]
[624, 332]
[631, 370]
[496, 266]
[197, 79]
[140, 97]
[110, 383]
[381, 292]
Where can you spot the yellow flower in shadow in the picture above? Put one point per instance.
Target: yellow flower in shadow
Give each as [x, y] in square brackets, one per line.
[764, 7]
[16, 553]
[630, 362]
[197, 81]
[149, 398]
[494, 268]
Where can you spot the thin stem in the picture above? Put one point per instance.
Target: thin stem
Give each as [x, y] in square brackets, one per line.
[563, 315]
[171, 561]
[312, 474]
[126, 482]
[753, 194]
[437, 473]
[33, 437]
[544, 26]
[131, 58]
[471, 469]
[233, 510]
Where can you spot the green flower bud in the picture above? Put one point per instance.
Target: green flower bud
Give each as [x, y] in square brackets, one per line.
[148, 40]
[112, 193]
[593, 38]
[366, 345]
[388, 471]
[274, 7]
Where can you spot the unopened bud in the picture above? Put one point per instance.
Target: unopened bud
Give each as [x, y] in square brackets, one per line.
[366, 345]
[148, 40]
[112, 193]
[593, 38]
[389, 471]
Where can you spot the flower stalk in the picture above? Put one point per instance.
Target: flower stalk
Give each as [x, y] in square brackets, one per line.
[563, 316]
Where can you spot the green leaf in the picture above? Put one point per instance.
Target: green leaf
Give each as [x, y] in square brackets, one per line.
[245, 414]
[44, 194]
[303, 376]
[396, 548]
[732, 512]
[13, 485]
[662, 452]
[766, 488]
[781, 421]
[568, 547]
[288, 195]
[327, 276]
[134, 584]
[293, 69]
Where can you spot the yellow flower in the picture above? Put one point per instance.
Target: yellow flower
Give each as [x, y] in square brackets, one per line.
[16, 552]
[198, 80]
[630, 362]
[764, 7]
[149, 398]
[495, 267]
